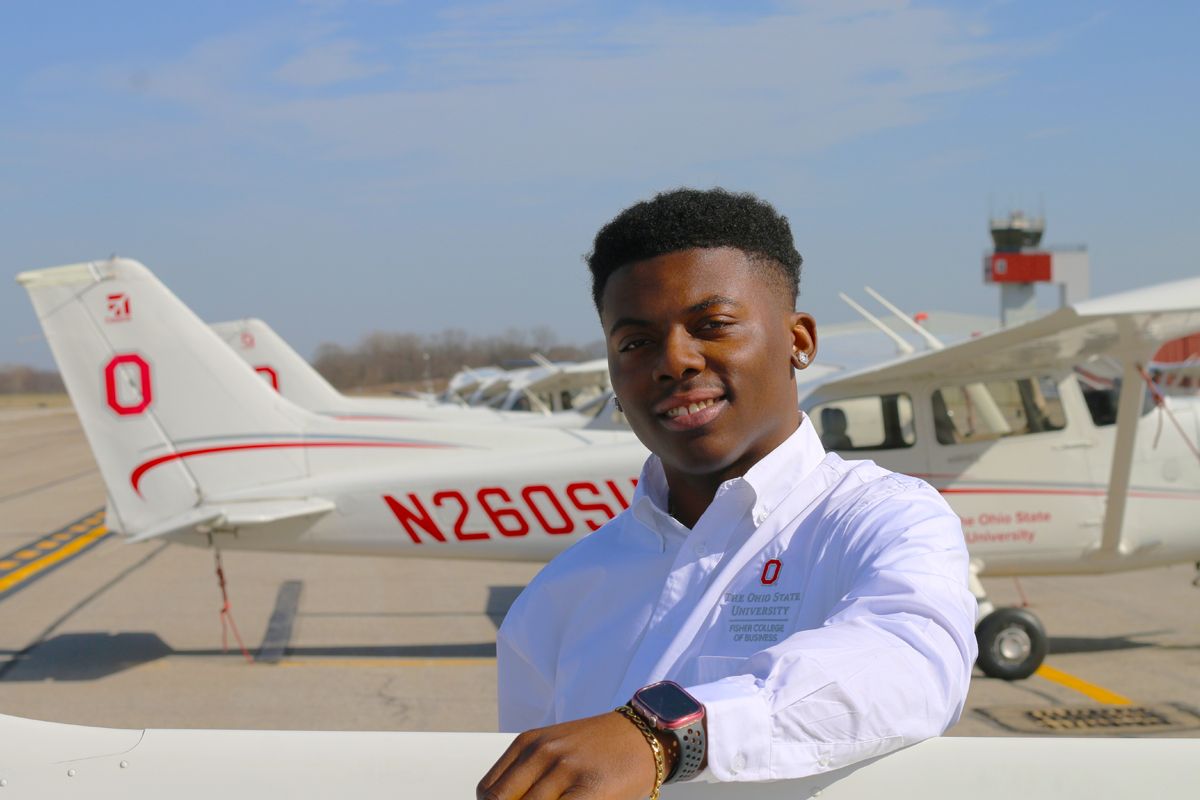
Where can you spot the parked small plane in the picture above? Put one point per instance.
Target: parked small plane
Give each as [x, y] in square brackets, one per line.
[1049, 476]
[294, 378]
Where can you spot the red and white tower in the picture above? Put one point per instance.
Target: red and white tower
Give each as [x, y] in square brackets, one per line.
[1018, 264]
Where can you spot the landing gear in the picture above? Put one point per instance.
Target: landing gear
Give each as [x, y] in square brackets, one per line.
[1012, 644]
[1012, 641]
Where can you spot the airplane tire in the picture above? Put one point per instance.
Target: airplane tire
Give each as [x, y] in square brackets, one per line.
[1012, 644]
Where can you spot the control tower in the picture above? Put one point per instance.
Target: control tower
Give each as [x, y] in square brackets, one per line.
[1017, 265]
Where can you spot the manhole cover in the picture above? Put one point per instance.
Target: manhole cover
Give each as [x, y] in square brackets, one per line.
[1113, 720]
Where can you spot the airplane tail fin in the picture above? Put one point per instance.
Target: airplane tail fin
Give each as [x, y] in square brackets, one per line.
[280, 365]
[157, 393]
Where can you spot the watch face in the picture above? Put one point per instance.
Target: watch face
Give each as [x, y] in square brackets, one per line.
[669, 703]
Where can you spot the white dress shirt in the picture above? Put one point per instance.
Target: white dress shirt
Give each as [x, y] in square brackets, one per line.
[819, 609]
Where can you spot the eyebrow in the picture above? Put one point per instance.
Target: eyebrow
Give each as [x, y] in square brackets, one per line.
[703, 305]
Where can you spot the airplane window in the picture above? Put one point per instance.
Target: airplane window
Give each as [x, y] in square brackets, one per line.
[987, 410]
[1102, 399]
[865, 423]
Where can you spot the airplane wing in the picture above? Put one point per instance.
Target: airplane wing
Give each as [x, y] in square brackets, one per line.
[1129, 325]
[569, 377]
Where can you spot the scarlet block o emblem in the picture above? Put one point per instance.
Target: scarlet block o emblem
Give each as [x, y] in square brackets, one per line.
[134, 393]
[770, 572]
[269, 375]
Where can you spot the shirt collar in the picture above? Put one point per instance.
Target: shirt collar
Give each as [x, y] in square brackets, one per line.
[779, 472]
[771, 480]
[650, 500]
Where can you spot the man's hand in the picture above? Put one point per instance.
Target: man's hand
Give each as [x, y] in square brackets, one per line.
[604, 757]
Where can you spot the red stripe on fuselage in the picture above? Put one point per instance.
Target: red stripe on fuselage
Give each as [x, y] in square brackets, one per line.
[135, 477]
[1077, 493]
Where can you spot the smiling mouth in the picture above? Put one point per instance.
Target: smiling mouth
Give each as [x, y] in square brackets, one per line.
[693, 415]
[691, 408]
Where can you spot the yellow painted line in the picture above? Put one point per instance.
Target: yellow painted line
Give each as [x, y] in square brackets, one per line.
[46, 545]
[26, 554]
[62, 537]
[1097, 693]
[50, 559]
[385, 662]
[8, 564]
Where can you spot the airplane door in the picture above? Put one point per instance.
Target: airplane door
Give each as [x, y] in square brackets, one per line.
[1012, 456]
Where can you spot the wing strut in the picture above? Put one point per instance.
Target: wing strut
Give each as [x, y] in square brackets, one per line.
[903, 346]
[1129, 410]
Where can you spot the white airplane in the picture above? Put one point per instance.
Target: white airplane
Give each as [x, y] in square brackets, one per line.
[547, 388]
[195, 447]
[294, 378]
[1051, 473]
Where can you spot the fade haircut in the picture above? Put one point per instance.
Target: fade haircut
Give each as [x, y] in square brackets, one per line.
[682, 219]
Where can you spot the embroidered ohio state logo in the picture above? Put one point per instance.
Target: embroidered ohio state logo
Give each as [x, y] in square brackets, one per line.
[770, 572]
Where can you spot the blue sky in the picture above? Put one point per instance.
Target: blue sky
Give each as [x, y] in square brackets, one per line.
[342, 167]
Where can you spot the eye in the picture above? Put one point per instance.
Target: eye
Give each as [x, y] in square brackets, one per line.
[632, 344]
[715, 324]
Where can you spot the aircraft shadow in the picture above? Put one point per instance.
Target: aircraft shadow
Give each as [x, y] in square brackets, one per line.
[83, 657]
[92, 656]
[1062, 645]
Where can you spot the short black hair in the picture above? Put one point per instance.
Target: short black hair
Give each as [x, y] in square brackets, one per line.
[682, 219]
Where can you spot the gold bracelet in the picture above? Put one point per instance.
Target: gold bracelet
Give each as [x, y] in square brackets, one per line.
[660, 767]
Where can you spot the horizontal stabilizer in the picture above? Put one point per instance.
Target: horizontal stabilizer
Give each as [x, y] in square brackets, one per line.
[233, 515]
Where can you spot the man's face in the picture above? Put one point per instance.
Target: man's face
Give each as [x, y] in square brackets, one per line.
[699, 347]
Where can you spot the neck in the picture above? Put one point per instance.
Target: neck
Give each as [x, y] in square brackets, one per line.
[689, 494]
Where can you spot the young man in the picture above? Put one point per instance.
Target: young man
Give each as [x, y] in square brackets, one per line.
[808, 612]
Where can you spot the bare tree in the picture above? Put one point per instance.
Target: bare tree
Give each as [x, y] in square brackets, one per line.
[382, 358]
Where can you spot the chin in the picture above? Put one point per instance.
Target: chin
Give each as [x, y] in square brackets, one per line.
[702, 458]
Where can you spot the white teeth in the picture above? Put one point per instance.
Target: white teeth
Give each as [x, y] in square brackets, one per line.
[691, 408]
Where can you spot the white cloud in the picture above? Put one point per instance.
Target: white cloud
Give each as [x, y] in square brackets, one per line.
[327, 64]
[551, 95]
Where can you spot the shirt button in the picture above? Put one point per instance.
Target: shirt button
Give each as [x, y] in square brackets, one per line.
[739, 763]
[824, 762]
[759, 516]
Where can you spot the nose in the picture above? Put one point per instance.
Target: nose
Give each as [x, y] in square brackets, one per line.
[680, 357]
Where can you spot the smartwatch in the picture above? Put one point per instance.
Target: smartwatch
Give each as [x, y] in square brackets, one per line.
[668, 708]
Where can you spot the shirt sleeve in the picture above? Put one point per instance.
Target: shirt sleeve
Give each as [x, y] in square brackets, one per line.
[889, 667]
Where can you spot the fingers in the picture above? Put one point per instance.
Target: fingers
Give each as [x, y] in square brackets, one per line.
[507, 758]
[502, 780]
[599, 757]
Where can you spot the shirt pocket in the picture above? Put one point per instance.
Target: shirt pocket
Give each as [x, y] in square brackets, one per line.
[714, 668]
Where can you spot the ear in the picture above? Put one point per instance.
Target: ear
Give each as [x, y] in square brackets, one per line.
[804, 339]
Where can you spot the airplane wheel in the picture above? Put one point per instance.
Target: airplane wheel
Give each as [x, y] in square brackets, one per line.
[1012, 644]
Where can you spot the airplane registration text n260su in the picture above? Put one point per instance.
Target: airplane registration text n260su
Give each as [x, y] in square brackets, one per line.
[1046, 438]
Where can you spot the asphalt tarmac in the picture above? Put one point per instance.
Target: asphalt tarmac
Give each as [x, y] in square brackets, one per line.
[99, 632]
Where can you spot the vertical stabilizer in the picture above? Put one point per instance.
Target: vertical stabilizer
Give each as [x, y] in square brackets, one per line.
[279, 365]
[158, 394]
